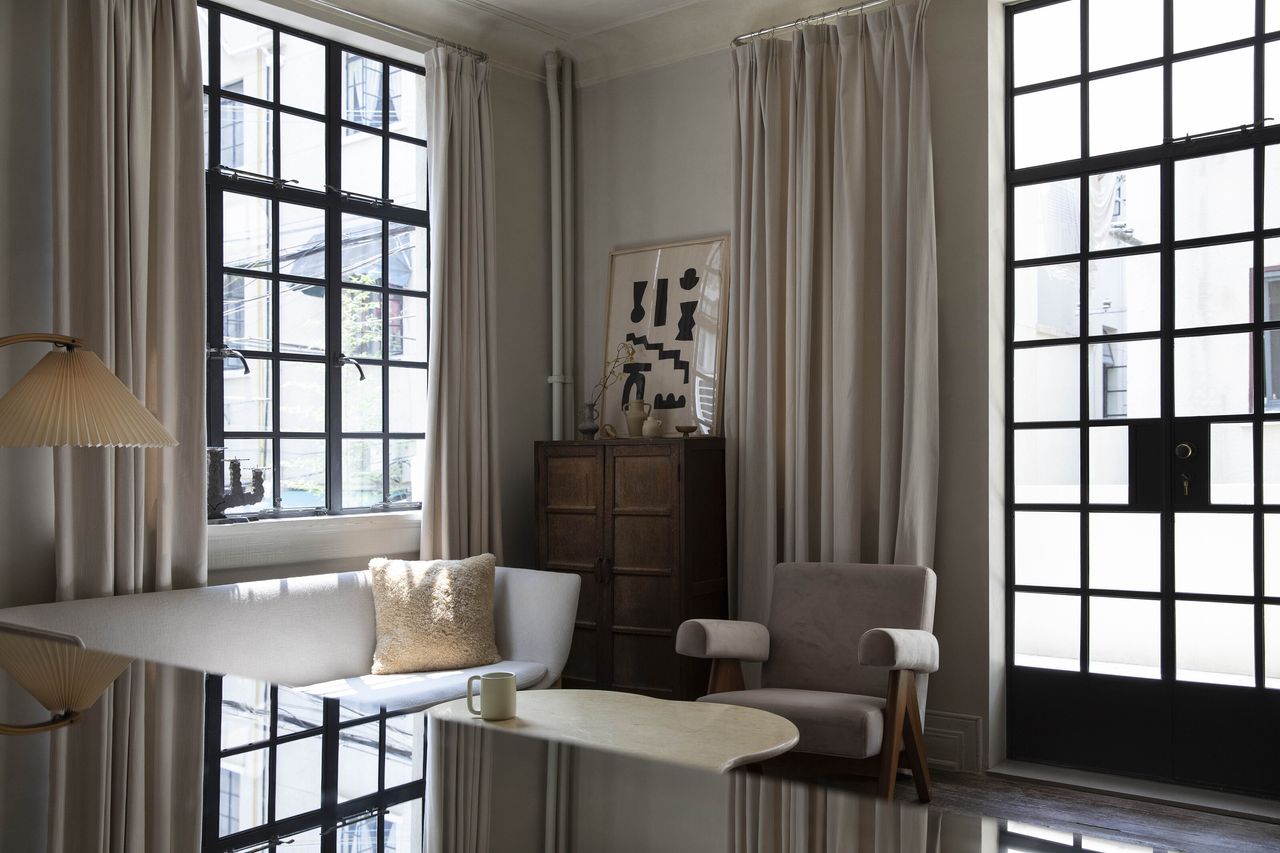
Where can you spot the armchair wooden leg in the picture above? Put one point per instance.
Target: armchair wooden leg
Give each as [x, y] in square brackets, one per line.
[916, 756]
[901, 684]
[726, 675]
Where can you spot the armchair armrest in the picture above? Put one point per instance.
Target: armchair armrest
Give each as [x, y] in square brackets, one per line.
[899, 648]
[723, 639]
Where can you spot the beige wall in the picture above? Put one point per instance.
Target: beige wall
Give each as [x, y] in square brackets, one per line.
[655, 166]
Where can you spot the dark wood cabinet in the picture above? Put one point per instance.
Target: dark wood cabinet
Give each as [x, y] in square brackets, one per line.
[643, 522]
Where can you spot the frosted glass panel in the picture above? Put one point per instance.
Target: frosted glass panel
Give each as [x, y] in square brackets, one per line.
[1213, 92]
[1213, 553]
[1046, 466]
[1109, 465]
[1046, 548]
[1046, 43]
[1271, 546]
[1046, 302]
[1046, 126]
[1124, 551]
[1046, 631]
[1231, 463]
[1215, 642]
[1213, 375]
[1124, 637]
[1213, 285]
[1120, 33]
[1213, 195]
[1046, 383]
[1126, 111]
[1192, 27]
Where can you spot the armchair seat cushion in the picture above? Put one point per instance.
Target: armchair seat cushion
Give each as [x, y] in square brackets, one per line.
[844, 724]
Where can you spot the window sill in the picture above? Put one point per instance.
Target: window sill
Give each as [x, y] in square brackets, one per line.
[313, 539]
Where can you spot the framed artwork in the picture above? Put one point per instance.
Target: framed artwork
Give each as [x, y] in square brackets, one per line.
[671, 303]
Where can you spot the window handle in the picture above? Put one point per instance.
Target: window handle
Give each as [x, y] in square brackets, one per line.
[227, 352]
[345, 359]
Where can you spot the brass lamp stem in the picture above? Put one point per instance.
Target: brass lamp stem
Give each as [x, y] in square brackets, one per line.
[57, 721]
[45, 337]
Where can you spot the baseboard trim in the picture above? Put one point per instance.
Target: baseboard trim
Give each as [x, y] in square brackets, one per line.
[954, 741]
[1142, 790]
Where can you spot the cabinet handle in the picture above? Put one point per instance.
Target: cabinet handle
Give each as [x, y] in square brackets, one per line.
[608, 570]
[599, 570]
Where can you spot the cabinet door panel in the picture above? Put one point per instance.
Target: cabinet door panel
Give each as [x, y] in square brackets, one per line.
[643, 543]
[644, 481]
[644, 662]
[642, 601]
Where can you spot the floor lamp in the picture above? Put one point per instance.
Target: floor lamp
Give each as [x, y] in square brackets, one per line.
[69, 399]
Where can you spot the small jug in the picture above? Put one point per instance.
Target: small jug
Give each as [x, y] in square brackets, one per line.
[652, 427]
[635, 412]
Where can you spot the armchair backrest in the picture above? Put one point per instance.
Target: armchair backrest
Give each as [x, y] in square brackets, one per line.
[820, 611]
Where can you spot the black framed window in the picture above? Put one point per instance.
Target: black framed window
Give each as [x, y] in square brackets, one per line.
[287, 770]
[1143, 444]
[318, 265]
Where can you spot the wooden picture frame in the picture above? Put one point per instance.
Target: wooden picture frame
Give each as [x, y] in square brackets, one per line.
[671, 302]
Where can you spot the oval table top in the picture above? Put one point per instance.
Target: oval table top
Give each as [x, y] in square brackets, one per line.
[707, 735]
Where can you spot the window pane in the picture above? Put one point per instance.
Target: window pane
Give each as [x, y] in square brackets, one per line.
[1213, 375]
[1271, 465]
[1271, 279]
[1271, 187]
[297, 782]
[246, 313]
[404, 826]
[1124, 637]
[202, 23]
[408, 264]
[1046, 302]
[1046, 126]
[1124, 32]
[361, 472]
[406, 463]
[302, 240]
[1046, 43]
[1109, 465]
[242, 791]
[302, 396]
[1046, 548]
[1215, 642]
[302, 318]
[1213, 195]
[1195, 24]
[302, 73]
[1231, 463]
[362, 163]
[408, 178]
[246, 405]
[253, 454]
[1213, 93]
[246, 711]
[406, 748]
[362, 90]
[246, 57]
[1046, 631]
[1273, 15]
[302, 473]
[1046, 219]
[1271, 547]
[1046, 383]
[246, 232]
[297, 711]
[1213, 285]
[1124, 209]
[408, 399]
[408, 94]
[1126, 111]
[1124, 380]
[245, 137]
[1124, 551]
[1213, 553]
[407, 327]
[361, 249]
[361, 323]
[1272, 652]
[302, 151]
[358, 758]
[1271, 356]
[1124, 294]
[361, 399]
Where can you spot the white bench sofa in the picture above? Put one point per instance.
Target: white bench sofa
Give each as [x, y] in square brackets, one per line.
[315, 633]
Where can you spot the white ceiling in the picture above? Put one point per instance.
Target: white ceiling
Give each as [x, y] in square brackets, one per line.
[571, 19]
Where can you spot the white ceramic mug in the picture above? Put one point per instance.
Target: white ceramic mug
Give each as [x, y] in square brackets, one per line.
[497, 695]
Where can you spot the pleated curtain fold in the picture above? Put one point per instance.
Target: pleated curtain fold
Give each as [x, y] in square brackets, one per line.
[129, 278]
[832, 396]
[461, 503]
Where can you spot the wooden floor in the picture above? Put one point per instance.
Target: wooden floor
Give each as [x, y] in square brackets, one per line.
[1162, 827]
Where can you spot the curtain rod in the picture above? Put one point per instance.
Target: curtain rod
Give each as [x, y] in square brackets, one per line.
[479, 54]
[852, 9]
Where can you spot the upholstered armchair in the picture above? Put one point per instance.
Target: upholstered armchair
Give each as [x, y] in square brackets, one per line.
[846, 657]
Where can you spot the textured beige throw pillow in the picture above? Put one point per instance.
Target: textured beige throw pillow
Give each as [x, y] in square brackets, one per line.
[433, 615]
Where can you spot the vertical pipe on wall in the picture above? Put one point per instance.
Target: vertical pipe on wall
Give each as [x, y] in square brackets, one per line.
[569, 225]
[557, 251]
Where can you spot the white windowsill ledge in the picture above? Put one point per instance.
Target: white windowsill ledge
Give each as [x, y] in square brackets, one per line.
[318, 539]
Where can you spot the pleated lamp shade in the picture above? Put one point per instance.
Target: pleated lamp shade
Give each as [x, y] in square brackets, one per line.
[71, 398]
[56, 668]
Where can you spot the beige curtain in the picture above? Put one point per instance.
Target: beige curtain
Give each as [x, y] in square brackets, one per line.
[128, 267]
[460, 507]
[832, 393]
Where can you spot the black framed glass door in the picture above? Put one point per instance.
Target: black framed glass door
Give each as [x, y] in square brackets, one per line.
[1143, 398]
